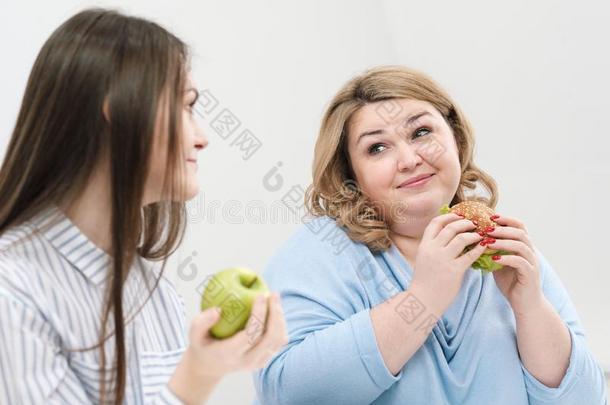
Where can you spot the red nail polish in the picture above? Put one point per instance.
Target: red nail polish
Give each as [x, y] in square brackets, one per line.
[481, 233]
[496, 257]
[488, 241]
[482, 243]
[490, 229]
[494, 217]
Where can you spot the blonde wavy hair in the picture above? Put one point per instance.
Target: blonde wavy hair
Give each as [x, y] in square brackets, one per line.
[334, 190]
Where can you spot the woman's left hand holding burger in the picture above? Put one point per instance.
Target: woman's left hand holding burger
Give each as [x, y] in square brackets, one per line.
[519, 279]
[543, 338]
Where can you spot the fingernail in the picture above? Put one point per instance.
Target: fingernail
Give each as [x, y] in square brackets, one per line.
[494, 217]
[496, 257]
[489, 241]
[475, 223]
[490, 229]
[482, 243]
[481, 233]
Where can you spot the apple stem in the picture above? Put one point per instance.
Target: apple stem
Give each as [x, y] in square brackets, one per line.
[252, 282]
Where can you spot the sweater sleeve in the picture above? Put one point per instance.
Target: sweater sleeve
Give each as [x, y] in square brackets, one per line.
[332, 356]
[584, 381]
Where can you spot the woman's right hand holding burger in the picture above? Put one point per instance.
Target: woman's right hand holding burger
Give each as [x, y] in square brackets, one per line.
[403, 322]
[440, 265]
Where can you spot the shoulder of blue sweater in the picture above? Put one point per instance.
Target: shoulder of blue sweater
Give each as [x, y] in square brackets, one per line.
[322, 234]
[319, 242]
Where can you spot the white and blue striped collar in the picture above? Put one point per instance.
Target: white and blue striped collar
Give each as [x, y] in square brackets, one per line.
[93, 262]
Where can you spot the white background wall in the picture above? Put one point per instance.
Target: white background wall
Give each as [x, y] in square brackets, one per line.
[531, 76]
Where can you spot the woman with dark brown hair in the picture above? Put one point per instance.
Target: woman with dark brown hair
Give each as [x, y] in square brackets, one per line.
[92, 195]
[382, 304]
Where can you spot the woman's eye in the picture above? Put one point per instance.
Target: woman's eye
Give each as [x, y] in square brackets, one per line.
[374, 149]
[418, 132]
[190, 107]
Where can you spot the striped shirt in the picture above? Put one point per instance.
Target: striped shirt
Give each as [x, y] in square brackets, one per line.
[51, 298]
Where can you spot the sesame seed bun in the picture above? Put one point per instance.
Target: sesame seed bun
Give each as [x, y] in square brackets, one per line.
[480, 214]
[477, 212]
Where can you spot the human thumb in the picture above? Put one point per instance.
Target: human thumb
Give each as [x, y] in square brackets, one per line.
[205, 320]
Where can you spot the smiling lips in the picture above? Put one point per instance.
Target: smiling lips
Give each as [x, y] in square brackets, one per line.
[414, 181]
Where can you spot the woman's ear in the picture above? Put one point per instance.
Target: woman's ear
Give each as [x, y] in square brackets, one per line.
[106, 110]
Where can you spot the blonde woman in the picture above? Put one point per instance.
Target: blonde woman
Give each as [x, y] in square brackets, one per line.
[382, 306]
[92, 203]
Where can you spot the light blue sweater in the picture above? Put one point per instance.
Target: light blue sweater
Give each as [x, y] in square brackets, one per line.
[328, 285]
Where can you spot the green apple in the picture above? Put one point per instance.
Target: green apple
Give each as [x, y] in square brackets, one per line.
[233, 290]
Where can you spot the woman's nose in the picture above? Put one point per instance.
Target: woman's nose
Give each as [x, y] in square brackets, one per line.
[201, 140]
[408, 157]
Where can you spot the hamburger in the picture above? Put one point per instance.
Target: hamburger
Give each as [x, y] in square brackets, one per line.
[481, 215]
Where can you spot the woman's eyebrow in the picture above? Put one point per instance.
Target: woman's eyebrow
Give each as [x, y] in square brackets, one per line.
[414, 117]
[406, 123]
[373, 132]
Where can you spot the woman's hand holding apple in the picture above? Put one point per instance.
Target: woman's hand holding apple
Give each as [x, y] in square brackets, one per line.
[208, 359]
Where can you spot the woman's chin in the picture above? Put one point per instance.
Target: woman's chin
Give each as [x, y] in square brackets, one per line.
[424, 203]
[192, 192]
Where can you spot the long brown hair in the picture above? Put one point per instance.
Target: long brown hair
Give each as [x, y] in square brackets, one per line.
[334, 191]
[61, 134]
